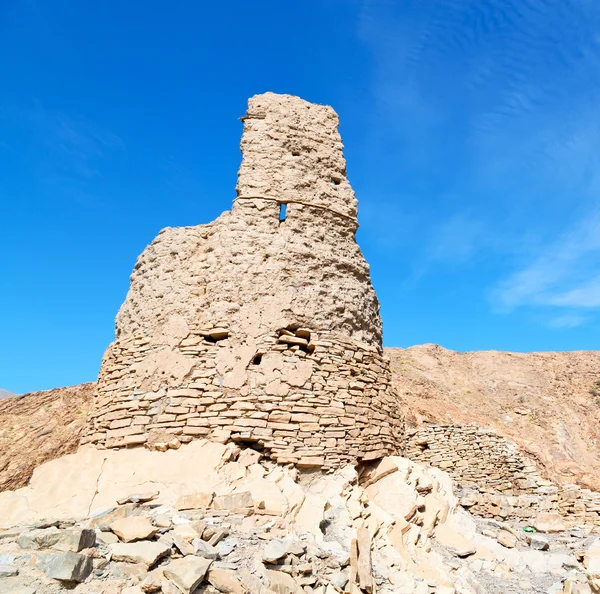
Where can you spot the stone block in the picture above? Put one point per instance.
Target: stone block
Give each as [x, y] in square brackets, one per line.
[146, 552]
[66, 567]
[75, 540]
[187, 573]
[133, 528]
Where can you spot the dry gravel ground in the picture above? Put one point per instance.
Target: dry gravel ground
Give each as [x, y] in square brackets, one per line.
[38, 427]
[543, 401]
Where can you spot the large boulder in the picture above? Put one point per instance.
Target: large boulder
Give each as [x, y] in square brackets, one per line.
[76, 539]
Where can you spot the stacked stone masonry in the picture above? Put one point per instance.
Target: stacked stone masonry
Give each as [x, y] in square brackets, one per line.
[496, 480]
[474, 455]
[322, 408]
[261, 327]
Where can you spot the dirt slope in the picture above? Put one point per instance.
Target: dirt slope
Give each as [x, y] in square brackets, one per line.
[38, 427]
[549, 403]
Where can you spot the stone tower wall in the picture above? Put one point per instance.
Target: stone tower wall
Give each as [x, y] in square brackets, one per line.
[254, 328]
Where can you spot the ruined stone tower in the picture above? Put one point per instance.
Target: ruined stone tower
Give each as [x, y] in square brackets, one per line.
[261, 327]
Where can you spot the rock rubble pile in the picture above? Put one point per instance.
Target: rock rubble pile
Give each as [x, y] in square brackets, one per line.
[262, 528]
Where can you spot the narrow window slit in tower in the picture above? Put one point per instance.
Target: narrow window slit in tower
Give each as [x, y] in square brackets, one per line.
[282, 212]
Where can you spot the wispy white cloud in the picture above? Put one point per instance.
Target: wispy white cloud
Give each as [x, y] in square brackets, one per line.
[497, 102]
[76, 143]
[568, 321]
[587, 295]
[564, 273]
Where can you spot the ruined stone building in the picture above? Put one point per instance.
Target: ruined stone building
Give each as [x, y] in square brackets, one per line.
[261, 327]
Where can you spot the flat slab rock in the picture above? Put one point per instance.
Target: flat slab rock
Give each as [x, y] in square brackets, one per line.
[133, 528]
[225, 581]
[139, 552]
[457, 543]
[282, 583]
[187, 573]
[139, 497]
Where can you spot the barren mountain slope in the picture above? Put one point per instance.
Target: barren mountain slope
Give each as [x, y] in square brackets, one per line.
[38, 427]
[545, 402]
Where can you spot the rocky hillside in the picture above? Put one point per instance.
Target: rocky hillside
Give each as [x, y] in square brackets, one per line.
[38, 427]
[549, 403]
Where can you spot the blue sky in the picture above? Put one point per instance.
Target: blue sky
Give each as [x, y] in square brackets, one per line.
[472, 135]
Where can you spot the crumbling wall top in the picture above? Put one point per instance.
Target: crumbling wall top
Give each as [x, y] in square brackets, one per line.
[292, 153]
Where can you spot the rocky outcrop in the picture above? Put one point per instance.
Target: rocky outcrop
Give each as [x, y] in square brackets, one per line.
[263, 326]
[218, 518]
[38, 427]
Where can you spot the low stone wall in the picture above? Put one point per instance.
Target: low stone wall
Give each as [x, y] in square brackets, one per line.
[495, 479]
[474, 455]
[581, 506]
[321, 406]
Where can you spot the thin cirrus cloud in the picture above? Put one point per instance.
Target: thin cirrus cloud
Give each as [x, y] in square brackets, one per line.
[563, 274]
[77, 144]
[499, 103]
[568, 321]
[68, 149]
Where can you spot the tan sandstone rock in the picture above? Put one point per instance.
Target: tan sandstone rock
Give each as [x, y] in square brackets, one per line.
[549, 522]
[187, 573]
[226, 581]
[457, 543]
[145, 552]
[133, 528]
